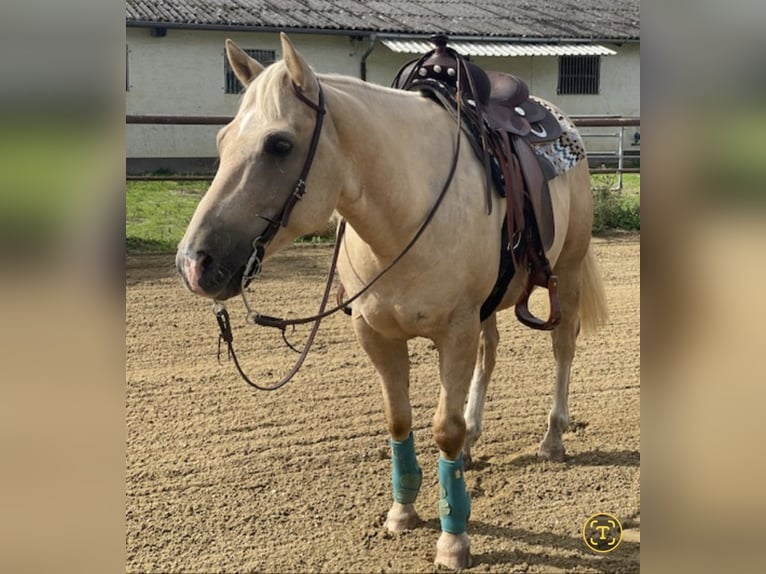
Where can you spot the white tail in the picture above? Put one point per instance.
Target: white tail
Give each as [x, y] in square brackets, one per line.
[593, 308]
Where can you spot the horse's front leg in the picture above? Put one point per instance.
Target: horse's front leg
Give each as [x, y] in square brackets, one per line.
[391, 359]
[457, 353]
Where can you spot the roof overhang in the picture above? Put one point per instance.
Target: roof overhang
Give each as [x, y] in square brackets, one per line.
[501, 48]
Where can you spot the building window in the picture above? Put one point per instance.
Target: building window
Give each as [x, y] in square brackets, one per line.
[579, 74]
[231, 83]
[127, 68]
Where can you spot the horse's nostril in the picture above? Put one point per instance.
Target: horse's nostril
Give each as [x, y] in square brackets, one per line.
[203, 260]
[194, 267]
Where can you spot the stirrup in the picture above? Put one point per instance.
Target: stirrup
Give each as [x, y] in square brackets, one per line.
[522, 305]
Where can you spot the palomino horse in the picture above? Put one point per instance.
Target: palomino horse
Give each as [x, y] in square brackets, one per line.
[380, 158]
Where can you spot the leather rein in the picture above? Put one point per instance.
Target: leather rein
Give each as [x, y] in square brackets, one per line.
[255, 262]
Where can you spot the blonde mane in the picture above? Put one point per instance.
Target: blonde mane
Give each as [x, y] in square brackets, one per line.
[264, 96]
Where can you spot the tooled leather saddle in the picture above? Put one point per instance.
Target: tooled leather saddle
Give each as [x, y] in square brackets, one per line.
[503, 123]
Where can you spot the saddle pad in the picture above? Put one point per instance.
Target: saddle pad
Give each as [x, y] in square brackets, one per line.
[566, 150]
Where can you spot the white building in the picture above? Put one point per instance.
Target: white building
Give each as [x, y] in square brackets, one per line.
[587, 62]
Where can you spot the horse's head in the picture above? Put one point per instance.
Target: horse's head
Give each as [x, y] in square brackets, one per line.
[262, 153]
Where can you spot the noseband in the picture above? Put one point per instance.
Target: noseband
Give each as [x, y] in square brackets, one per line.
[260, 243]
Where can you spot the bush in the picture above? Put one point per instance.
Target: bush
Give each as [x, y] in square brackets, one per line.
[613, 209]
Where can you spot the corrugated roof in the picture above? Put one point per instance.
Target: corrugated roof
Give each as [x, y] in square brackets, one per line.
[502, 48]
[540, 19]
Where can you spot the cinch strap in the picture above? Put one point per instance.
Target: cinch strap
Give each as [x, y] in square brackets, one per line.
[406, 475]
[454, 501]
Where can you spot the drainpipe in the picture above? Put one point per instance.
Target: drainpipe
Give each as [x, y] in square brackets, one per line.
[363, 63]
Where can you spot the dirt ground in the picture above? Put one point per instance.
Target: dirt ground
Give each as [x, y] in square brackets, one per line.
[222, 478]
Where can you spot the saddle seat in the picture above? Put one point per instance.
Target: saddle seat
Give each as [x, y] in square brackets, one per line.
[510, 108]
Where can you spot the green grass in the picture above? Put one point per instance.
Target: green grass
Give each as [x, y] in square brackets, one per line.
[631, 182]
[157, 213]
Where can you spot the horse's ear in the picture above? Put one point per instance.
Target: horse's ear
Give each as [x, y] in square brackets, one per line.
[300, 72]
[244, 67]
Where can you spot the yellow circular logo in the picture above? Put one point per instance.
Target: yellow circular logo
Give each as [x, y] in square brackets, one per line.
[602, 532]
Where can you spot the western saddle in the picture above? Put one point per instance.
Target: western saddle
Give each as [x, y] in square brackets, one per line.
[503, 123]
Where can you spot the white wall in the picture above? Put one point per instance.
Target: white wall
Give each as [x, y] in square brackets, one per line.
[182, 73]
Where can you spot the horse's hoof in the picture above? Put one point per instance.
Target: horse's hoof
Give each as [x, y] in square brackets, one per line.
[453, 551]
[554, 453]
[401, 517]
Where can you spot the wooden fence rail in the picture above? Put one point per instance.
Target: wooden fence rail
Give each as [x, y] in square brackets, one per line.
[176, 120]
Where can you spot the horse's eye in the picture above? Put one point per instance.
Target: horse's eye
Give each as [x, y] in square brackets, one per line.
[278, 146]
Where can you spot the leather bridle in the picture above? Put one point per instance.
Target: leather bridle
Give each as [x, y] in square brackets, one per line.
[260, 243]
[255, 262]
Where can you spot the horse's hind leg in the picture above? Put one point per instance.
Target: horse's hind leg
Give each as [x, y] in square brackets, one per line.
[482, 371]
[391, 359]
[564, 337]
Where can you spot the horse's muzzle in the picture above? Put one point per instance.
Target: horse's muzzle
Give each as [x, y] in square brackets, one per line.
[207, 277]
